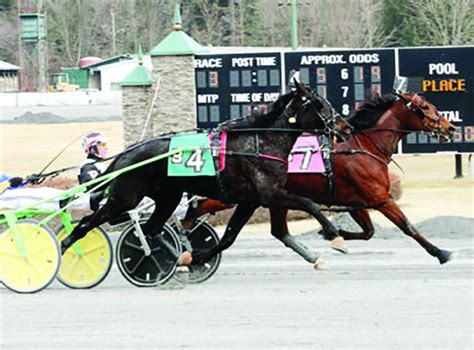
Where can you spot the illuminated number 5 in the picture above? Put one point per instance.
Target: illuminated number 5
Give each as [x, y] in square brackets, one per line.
[195, 161]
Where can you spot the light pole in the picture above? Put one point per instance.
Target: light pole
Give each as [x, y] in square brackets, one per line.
[293, 21]
[294, 25]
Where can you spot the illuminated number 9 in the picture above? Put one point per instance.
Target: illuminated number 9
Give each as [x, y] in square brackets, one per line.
[344, 74]
[345, 109]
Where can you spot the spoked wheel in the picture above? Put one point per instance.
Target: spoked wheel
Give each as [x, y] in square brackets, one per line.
[30, 265]
[88, 261]
[202, 237]
[140, 269]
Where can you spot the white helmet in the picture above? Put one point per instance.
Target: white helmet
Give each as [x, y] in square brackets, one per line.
[91, 140]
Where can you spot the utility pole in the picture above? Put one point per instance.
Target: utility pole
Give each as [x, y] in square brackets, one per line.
[32, 44]
[294, 25]
[293, 21]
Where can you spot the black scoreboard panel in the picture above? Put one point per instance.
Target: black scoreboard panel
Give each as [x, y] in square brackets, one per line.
[344, 77]
[446, 79]
[228, 86]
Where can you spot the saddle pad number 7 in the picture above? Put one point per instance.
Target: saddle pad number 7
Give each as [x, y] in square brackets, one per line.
[197, 162]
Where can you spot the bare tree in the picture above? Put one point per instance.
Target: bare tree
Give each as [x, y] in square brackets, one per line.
[442, 22]
[371, 32]
[8, 39]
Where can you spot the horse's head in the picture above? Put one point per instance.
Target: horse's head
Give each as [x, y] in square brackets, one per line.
[313, 111]
[425, 117]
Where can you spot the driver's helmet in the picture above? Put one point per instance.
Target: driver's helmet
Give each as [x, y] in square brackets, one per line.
[92, 140]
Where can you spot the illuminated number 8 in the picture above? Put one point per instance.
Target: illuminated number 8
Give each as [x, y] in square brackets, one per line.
[345, 109]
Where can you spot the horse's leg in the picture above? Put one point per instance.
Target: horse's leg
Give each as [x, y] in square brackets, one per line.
[392, 211]
[111, 209]
[238, 219]
[362, 218]
[285, 199]
[279, 229]
[165, 204]
[203, 206]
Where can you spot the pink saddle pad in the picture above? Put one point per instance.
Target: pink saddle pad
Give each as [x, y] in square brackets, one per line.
[305, 157]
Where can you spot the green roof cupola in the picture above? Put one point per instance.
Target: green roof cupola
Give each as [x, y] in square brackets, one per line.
[140, 76]
[177, 42]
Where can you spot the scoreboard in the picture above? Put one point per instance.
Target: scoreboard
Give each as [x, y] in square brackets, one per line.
[344, 77]
[229, 86]
[446, 78]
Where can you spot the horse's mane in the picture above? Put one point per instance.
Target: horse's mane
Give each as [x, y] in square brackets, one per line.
[260, 120]
[366, 115]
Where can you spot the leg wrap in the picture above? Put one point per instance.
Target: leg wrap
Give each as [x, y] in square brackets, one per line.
[299, 248]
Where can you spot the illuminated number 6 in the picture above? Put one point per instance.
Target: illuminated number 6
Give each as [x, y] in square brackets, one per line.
[344, 74]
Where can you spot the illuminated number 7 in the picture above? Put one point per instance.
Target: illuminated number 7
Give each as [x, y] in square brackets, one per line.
[195, 161]
[345, 89]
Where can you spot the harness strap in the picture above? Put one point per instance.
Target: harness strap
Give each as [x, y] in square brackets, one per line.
[217, 138]
[257, 155]
[338, 208]
[267, 156]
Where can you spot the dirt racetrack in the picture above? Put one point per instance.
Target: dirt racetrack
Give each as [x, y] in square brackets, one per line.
[387, 293]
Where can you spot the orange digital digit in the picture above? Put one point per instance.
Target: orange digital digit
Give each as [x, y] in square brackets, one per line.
[469, 133]
[213, 79]
[458, 134]
[321, 75]
[376, 75]
[358, 74]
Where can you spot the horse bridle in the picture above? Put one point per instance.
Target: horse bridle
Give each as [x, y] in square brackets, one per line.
[436, 128]
[330, 121]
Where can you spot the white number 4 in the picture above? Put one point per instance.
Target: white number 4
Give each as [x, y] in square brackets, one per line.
[195, 161]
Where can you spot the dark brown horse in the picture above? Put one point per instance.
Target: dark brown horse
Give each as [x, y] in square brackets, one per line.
[255, 172]
[360, 170]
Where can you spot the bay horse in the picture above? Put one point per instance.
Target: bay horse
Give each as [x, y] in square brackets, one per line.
[360, 170]
[254, 175]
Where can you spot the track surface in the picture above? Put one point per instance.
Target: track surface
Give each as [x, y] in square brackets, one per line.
[386, 294]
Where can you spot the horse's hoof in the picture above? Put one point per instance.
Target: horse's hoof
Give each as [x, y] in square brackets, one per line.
[339, 244]
[320, 264]
[185, 259]
[444, 256]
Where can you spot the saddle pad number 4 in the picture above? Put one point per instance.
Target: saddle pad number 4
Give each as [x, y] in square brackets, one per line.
[196, 162]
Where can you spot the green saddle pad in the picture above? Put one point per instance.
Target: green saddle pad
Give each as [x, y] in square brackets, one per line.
[197, 162]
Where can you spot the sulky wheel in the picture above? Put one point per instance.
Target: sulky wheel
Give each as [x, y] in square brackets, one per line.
[202, 237]
[88, 261]
[30, 263]
[140, 269]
